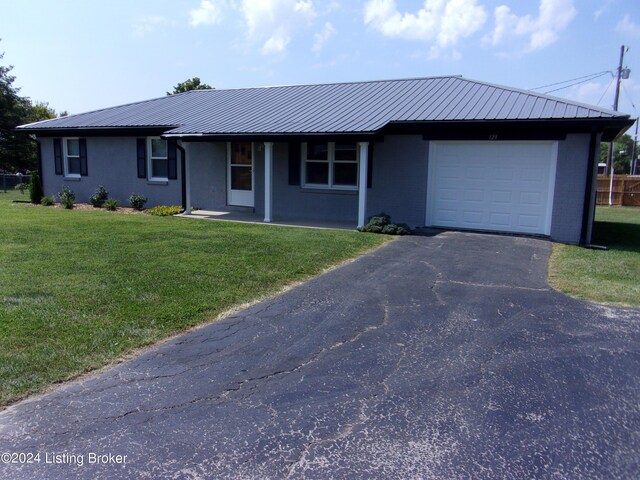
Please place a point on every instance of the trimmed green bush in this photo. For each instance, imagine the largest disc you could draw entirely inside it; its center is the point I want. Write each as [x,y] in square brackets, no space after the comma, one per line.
[67,198]
[47,201]
[99,197]
[111,204]
[35,188]
[381,223]
[164,210]
[137,201]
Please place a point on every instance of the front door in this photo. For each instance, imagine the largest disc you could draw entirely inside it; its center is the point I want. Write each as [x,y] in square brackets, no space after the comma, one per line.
[240,174]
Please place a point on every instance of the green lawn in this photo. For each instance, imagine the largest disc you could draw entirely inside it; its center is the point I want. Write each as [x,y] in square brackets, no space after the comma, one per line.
[611,276]
[80,289]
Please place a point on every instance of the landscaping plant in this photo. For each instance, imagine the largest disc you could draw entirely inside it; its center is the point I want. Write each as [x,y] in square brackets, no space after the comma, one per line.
[67,198]
[137,201]
[47,201]
[381,223]
[111,204]
[164,210]
[99,197]
[35,188]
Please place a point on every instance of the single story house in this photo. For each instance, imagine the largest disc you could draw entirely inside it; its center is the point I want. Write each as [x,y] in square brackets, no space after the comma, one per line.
[441,151]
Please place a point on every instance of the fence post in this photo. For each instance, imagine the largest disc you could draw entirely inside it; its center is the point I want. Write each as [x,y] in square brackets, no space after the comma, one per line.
[611,188]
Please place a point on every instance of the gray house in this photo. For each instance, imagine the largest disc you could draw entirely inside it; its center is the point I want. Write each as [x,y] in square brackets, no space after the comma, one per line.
[442,151]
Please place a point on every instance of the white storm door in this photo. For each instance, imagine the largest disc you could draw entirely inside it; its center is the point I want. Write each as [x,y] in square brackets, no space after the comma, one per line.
[497,186]
[240,174]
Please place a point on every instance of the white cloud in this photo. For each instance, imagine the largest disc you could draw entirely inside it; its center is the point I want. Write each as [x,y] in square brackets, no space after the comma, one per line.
[541,31]
[274,22]
[604,8]
[441,22]
[149,24]
[627,27]
[323,36]
[208,13]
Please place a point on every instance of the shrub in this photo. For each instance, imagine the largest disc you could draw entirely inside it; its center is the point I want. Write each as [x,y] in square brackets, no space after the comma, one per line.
[22,187]
[67,197]
[381,223]
[164,210]
[47,201]
[35,188]
[137,201]
[111,204]
[99,197]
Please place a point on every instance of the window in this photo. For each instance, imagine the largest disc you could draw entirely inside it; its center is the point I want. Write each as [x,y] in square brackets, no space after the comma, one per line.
[330,165]
[158,159]
[72,157]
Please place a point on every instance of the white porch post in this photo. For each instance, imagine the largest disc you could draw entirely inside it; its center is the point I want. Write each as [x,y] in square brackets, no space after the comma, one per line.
[362,182]
[187,175]
[268,179]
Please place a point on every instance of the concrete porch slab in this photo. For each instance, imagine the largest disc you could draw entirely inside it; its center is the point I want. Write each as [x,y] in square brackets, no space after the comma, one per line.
[250,217]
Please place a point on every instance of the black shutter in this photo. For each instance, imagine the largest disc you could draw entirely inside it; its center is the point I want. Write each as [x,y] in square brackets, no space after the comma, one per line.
[82,144]
[294,163]
[370,166]
[142,157]
[57,155]
[172,159]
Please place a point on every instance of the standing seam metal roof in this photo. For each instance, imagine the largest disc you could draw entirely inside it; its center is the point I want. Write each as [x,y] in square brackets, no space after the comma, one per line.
[357,107]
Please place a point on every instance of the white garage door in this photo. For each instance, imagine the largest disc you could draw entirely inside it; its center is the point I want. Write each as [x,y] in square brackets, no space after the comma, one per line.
[498,186]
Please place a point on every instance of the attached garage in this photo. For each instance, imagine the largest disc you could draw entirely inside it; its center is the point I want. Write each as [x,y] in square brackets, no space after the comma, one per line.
[495,186]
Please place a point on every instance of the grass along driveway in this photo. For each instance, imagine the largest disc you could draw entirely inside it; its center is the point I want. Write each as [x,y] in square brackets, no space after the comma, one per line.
[611,276]
[79,289]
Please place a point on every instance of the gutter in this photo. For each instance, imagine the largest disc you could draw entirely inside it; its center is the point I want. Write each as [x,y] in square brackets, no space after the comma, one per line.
[588,209]
[183,176]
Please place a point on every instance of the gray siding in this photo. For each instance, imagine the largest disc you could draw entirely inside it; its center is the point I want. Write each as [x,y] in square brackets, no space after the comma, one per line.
[111,161]
[293,201]
[399,182]
[208,168]
[571,178]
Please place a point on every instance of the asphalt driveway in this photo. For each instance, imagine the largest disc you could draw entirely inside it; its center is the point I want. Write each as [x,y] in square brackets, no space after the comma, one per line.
[433,357]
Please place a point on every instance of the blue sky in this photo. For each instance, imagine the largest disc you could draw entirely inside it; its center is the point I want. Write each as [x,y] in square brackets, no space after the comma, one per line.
[84,55]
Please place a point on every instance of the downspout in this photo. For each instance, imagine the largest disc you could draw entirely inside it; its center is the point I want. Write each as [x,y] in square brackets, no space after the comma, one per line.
[588,209]
[183,177]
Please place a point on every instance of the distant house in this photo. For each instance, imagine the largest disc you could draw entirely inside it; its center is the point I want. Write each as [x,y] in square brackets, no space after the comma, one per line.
[442,151]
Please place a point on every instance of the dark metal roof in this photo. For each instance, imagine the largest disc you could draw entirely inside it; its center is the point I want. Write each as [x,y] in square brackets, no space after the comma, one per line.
[360,107]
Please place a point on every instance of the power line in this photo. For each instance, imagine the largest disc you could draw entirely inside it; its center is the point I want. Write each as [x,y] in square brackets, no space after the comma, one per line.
[629,97]
[594,75]
[578,83]
[606,90]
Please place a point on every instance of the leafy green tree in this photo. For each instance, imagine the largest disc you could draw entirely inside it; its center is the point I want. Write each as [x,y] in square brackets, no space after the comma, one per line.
[190,84]
[17,151]
[622,151]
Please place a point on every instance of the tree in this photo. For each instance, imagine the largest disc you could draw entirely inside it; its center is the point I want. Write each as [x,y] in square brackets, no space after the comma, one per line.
[622,150]
[191,84]
[17,151]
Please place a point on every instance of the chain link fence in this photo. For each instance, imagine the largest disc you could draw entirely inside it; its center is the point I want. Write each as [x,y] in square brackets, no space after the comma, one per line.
[12,181]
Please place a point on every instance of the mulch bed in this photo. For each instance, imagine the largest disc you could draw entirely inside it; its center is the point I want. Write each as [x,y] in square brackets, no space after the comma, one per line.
[87,206]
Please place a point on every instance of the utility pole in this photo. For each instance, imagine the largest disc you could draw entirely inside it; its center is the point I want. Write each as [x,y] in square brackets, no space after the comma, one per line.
[634,161]
[609,168]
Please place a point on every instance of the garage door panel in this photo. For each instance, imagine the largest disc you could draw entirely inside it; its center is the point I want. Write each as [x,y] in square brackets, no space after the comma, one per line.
[503,186]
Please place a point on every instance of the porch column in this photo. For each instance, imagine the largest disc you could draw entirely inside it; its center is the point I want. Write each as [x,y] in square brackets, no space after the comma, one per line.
[187,176]
[268,179]
[362,182]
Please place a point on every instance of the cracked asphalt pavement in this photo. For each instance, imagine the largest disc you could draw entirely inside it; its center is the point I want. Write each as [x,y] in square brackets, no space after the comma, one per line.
[433,357]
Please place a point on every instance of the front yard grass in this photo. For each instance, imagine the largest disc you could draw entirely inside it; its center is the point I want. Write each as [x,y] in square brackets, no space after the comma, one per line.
[611,276]
[80,289]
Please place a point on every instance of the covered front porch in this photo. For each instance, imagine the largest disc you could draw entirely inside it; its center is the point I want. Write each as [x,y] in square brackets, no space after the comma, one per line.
[275,197]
